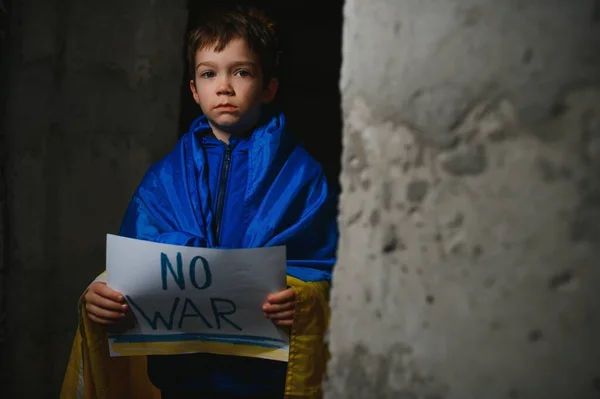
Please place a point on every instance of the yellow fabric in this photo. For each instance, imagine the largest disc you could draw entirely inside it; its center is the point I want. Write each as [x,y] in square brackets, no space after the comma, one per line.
[93,374]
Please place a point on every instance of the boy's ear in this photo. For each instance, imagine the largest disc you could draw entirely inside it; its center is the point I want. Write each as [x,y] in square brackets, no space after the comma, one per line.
[270,91]
[194,91]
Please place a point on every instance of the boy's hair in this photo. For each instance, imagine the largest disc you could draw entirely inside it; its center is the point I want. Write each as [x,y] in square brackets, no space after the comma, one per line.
[221,26]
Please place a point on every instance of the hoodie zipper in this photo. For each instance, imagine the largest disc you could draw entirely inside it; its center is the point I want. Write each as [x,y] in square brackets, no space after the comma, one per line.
[222,187]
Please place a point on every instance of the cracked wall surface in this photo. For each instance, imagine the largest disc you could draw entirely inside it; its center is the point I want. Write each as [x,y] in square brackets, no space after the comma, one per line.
[470,240]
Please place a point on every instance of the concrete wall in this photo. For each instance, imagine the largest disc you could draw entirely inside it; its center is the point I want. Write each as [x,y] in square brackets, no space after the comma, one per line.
[93,100]
[469,255]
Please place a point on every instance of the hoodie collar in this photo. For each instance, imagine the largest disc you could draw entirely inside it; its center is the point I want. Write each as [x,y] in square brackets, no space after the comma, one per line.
[268,130]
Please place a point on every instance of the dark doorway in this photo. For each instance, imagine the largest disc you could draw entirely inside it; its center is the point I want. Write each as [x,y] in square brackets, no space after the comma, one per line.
[310,34]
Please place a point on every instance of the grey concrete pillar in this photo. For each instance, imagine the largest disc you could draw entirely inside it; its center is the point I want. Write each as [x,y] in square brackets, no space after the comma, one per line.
[469,260]
[93,100]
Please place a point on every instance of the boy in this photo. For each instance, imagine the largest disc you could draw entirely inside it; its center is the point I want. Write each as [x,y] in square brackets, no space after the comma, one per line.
[235,180]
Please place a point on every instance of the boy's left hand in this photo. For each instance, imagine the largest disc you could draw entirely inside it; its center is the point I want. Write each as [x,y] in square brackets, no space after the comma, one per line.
[280,307]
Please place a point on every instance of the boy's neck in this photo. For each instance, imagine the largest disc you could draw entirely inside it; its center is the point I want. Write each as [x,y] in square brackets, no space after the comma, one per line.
[221,135]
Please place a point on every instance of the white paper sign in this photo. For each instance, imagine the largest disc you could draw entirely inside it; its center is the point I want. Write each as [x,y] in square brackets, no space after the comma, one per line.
[187,299]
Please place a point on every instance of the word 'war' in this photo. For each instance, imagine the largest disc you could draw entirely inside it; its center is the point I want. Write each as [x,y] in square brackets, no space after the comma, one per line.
[220,311]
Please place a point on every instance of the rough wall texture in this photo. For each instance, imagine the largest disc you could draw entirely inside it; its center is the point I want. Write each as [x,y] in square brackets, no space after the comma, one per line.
[4,18]
[468,261]
[93,100]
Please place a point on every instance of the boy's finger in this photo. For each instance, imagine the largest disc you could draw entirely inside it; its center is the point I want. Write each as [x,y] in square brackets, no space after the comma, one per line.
[104,303]
[103,313]
[289,314]
[99,320]
[282,296]
[283,323]
[108,293]
[268,308]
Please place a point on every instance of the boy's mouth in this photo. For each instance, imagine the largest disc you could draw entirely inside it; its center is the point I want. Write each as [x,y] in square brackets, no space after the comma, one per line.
[226,107]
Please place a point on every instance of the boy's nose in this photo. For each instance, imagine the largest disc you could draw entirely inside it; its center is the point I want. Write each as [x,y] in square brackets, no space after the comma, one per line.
[224,88]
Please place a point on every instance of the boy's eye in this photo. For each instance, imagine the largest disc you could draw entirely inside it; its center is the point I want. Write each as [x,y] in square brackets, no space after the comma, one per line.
[208,74]
[242,73]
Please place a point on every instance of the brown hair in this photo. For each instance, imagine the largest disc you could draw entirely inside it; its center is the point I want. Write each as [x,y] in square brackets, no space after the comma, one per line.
[221,26]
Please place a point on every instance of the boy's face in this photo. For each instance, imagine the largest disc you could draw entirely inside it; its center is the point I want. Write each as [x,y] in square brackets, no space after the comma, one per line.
[229,86]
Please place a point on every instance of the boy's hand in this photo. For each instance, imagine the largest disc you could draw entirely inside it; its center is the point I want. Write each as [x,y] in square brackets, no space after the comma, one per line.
[104,305]
[280,307]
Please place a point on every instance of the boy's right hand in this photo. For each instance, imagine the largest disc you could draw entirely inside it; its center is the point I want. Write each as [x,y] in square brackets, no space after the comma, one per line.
[104,305]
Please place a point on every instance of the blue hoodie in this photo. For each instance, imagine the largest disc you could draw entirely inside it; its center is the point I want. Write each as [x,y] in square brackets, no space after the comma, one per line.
[263,190]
